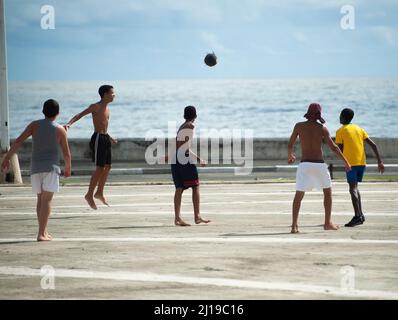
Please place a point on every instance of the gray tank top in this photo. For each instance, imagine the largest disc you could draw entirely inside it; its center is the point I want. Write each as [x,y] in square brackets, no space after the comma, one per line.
[45,153]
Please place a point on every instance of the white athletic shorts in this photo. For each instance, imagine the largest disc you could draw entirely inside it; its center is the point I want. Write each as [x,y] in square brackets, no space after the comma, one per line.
[46,181]
[312,175]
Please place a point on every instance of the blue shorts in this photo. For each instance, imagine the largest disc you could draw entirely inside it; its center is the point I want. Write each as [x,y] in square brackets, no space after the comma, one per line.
[356,174]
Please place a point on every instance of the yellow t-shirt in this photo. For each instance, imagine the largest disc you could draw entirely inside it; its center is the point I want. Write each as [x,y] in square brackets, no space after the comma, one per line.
[352,137]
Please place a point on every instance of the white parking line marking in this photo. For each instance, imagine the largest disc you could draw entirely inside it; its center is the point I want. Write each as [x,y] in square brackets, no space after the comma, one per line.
[230,239]
[202,281]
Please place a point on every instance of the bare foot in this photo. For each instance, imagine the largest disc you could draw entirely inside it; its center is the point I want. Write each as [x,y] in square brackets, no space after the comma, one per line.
[43,238]
[101,198]
[90,202]
[330,226]
[295,229]
[47,234]
[181,223]
[201,220]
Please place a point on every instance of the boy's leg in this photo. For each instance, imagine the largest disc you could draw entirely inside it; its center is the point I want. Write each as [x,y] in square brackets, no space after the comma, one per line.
[353,177]
[101,184]
[295,210]
[45,211]
[360,204]
[177,208]
[355,198]
[327,203]
[196,206]
[38,207]
[93,183]
[356,203]
[360,177]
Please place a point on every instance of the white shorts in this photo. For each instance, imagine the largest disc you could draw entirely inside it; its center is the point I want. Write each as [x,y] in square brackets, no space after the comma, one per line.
[46,181]
[312,175]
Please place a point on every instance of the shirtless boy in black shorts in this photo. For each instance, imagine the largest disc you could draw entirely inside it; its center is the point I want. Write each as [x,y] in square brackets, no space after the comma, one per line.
[100,144]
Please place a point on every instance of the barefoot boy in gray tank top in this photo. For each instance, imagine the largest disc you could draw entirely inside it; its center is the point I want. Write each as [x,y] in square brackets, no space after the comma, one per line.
[47,135]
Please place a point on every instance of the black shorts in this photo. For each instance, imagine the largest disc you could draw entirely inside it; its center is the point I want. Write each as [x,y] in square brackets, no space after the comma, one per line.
[100,147]
[185,175]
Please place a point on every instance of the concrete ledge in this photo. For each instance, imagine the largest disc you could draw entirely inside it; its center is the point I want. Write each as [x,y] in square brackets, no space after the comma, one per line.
[263,148]
[389,168]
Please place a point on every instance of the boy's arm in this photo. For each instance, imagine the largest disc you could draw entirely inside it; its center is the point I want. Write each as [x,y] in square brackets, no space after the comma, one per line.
[187,133]
[290,152]
[80,115]
[335,148]
[63,141]
[373,145]
[191,127]
[201,162]
[5,165]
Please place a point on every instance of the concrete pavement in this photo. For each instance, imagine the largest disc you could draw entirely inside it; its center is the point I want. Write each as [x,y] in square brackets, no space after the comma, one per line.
[132,250]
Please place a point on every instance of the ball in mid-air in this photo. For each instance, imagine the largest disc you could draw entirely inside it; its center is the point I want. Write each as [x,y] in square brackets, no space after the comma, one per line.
[211,59]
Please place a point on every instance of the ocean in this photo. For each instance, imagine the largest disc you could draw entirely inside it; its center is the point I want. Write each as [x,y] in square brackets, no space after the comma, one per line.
[269,107]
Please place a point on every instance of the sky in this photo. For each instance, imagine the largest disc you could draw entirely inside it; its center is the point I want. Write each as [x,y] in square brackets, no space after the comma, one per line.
[168,39]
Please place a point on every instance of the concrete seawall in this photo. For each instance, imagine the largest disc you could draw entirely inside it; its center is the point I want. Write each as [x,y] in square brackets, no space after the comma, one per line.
[133,149]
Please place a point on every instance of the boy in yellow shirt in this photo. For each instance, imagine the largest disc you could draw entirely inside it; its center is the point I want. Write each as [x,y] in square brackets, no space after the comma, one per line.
[350,138]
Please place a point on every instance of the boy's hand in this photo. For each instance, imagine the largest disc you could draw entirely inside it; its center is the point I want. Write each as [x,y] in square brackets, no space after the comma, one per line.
[5,165]
[291,159]
[68,172]
[203,163]
[66,127]
[347,167]
[114,141]
[380,166]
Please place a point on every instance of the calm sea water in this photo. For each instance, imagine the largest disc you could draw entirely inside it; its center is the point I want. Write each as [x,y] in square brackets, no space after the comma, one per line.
[269,107]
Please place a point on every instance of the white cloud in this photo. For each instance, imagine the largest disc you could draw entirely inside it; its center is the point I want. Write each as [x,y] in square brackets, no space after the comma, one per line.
[273,52]
[388,35]
[300,37]
[214,43]
[90,11]
[207,10]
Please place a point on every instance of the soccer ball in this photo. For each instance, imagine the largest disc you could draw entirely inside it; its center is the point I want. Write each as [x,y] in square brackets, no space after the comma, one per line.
[211,59]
